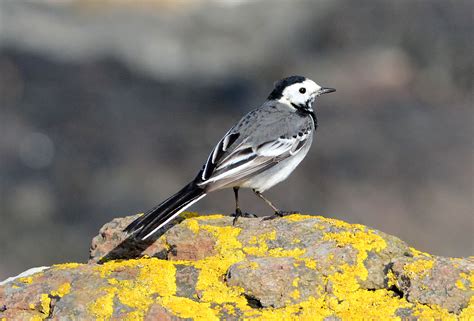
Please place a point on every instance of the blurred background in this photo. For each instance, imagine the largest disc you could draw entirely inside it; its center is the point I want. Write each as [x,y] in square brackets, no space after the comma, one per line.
[108,107]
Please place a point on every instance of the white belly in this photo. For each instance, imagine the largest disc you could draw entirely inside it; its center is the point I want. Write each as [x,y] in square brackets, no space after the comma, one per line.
[277,173]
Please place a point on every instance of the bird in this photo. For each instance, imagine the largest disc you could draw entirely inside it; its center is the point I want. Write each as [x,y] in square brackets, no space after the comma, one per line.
[258,152]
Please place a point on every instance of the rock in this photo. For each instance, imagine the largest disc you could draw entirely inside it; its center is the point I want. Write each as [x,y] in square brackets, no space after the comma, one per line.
[276,282]
[189,243]
[435,280]
[157,312]
[112,243]
[186,281]
[299,267]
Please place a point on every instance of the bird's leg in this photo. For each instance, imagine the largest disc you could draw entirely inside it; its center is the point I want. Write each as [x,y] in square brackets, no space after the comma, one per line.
[238,212]
[266,201]
[278,213]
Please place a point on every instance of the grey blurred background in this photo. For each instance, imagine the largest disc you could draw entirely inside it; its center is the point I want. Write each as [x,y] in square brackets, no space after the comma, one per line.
[106,108]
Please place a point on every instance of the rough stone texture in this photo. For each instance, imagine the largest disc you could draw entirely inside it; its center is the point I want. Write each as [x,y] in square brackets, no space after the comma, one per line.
[186,280]
[185,244]
[435,280]
[276,282]
[157,312]
[112,243]
[294,268]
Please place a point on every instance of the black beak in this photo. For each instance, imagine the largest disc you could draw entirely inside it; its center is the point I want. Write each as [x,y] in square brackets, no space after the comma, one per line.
[325,90]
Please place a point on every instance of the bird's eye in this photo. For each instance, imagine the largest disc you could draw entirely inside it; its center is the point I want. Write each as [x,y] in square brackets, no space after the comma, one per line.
[302,90]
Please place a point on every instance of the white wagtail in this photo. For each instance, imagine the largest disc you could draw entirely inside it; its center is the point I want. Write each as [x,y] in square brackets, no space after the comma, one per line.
[260,151]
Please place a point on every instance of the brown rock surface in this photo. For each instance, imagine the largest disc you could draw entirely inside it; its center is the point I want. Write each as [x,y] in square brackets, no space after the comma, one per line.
[435,280]
[276,282]
[112,243]
[293,268]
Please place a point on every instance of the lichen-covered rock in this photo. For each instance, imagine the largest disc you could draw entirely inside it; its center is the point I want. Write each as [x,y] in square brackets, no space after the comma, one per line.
[435,280]
[276,281]
[295,268]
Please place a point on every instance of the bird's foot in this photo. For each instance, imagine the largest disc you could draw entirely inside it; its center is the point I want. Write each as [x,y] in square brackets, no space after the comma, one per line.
[238,213]
[279,214]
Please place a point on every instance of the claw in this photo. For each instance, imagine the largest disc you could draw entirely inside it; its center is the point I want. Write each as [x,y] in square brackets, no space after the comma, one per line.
[238,213]
[278,214]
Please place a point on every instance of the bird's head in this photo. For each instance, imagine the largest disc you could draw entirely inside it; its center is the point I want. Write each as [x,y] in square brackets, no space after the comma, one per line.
[298,92]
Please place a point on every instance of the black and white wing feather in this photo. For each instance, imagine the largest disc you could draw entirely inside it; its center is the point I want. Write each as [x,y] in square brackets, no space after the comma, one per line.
[226,168]
[218,151]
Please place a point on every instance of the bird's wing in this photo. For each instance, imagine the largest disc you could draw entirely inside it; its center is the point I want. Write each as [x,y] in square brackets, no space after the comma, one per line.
[231,141]
[221,148]
[246,159]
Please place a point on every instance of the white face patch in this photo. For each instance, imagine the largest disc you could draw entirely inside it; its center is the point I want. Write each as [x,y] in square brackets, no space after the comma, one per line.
[301,94]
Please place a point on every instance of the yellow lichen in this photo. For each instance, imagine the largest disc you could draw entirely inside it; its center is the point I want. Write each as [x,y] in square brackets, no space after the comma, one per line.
[229,308]
[26,280]
[418,268]
[63,289]
[460,285]
[433,312]
[279,252]
[295,282]
[212,269]
[155,277]
[133,316]
[186,308]
[66,266]
[153,281]
[339,224]
[416,253]
[188,215]
[261,247]
[103,307]
[465,278]
[392,279]
[295,294]
[468,312]
[309,263]
[45,301]
[368,305]
[193,225]
[208,217]
[211,282]
[112,281]
[298,217]
[470,278]
[260,242]
[361,240]
[254,250]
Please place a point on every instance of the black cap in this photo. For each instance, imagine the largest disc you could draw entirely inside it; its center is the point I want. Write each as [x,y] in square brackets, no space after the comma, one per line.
[280,85]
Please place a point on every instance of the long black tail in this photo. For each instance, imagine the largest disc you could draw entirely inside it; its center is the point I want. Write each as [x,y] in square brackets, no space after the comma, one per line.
[158,216]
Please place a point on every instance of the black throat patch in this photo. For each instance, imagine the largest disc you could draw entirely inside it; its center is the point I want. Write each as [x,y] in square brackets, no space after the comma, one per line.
[305,112]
